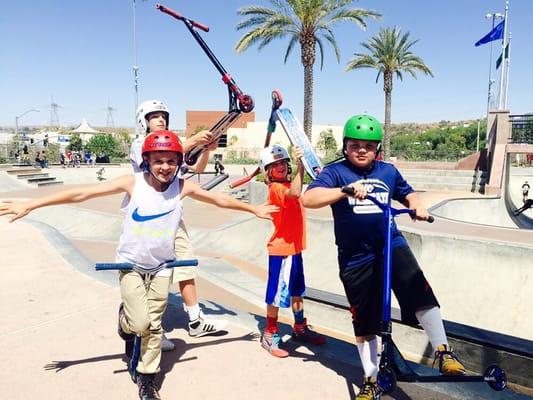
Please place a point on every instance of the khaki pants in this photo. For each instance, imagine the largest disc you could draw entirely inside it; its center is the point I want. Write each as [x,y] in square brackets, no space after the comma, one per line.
[183,251]
[144,307]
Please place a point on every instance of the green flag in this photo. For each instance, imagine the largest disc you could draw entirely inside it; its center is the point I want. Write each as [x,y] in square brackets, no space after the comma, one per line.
[499,60]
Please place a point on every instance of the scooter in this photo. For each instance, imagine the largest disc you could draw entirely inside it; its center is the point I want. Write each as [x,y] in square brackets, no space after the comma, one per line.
[238,101]
[393,367]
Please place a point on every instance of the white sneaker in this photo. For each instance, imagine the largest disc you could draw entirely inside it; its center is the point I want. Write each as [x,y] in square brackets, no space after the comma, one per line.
[166,344]
[203,325]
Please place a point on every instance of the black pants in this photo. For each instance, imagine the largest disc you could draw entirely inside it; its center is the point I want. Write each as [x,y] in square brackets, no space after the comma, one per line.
[364,290]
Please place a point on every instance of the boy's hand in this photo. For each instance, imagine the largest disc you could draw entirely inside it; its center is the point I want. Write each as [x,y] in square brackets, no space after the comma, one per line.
[18,209]
[421,214]
[264,211]
[297,154]
[358,189]
[213,146]
[200,138]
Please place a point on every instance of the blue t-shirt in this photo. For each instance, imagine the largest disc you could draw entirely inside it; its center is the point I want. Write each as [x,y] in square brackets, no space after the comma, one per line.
[359,224]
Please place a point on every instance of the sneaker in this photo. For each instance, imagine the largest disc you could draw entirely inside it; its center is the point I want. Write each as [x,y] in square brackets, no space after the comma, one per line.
[147,387]
[370,390]
[166,344]
[270,342]
[302,333]
[204,325]
[449,364]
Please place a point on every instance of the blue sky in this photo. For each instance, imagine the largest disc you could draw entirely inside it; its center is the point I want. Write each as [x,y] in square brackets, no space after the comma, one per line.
[81,53]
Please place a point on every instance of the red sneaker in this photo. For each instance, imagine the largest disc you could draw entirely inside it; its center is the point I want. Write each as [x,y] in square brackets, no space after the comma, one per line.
[302,333]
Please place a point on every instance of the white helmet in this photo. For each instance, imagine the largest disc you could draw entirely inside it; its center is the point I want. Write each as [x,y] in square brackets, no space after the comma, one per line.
[148,107]
[272,154]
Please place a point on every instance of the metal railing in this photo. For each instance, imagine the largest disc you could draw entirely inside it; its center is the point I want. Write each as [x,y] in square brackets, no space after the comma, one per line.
[521,128]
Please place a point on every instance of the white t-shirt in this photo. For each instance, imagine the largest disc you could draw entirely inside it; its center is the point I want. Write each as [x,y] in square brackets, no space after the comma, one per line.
[151,220]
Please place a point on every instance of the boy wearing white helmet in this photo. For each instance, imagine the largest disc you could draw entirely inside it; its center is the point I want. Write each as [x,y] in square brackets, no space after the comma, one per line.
[286,283]
[153,115]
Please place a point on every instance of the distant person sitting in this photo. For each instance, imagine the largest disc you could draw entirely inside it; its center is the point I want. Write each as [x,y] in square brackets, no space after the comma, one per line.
[527,205]
[44,160]
[87,157]
[525,191]
[102,158]
[38,161]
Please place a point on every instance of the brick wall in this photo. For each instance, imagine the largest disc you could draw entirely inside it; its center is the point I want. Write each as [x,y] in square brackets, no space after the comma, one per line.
[194,119]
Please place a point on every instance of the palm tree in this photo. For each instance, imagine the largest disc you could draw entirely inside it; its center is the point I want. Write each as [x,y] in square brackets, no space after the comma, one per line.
[390,54]
[308,22]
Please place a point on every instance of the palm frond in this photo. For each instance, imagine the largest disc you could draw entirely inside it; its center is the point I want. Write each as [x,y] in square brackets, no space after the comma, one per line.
[320,46]
[293,41]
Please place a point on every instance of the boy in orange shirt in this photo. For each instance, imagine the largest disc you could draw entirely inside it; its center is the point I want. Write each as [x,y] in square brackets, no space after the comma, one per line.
[286,283]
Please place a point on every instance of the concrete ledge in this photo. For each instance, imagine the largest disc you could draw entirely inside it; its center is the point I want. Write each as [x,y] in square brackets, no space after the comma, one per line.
[478,348]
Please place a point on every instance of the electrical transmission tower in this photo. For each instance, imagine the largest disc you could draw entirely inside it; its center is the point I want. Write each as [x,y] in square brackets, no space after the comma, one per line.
[54,116]
[110,110]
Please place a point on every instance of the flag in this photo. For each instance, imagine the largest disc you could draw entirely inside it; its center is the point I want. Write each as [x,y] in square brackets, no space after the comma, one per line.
[500,58]
[495,34]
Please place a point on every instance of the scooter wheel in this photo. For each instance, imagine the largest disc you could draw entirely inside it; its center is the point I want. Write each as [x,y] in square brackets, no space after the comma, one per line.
[386,379]
[246,103]
[495,377]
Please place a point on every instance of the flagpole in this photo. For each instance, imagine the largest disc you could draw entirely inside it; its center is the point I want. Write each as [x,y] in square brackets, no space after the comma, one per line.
[508,69]
[504,43]
[493,16]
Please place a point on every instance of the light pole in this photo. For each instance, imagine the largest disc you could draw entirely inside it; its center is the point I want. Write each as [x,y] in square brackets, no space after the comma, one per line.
[492,16]
[20,116]
[135,70]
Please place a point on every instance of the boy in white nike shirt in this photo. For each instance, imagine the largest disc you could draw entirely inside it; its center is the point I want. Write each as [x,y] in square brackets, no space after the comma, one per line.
[153,210]
[153,116]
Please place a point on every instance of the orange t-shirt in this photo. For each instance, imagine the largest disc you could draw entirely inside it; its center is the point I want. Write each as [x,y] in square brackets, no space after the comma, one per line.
[289,223]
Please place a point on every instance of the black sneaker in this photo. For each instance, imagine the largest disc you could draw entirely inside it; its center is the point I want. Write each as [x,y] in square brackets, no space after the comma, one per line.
[147,387]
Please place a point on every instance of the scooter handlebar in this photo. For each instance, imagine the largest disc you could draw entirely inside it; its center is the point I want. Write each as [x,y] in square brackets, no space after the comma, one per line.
[350,192]
[177,15]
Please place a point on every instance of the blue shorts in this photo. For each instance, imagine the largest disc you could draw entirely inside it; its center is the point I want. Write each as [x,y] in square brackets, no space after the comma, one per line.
[285,279]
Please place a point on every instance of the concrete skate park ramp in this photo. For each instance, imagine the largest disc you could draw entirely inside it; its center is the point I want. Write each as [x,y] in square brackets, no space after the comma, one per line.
[493,276]
[493,211]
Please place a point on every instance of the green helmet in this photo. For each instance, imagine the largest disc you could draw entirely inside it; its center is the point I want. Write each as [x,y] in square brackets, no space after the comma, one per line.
[363,127]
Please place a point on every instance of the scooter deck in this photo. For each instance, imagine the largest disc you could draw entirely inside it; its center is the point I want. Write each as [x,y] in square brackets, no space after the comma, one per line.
[297,137]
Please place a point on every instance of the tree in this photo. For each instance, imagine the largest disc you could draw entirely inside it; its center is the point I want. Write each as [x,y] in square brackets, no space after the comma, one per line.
[328,144]
[75,143]
[123,139]
[104,143]
[390,54]
[308,22]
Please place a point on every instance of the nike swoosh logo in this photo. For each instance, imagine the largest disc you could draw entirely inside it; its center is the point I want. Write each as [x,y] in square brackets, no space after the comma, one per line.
[143,218]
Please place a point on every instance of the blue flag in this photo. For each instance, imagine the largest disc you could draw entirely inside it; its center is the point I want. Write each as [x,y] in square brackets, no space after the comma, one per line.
[495,34]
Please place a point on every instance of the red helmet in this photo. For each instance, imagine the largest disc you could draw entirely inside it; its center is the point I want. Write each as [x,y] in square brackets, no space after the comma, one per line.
[162,141]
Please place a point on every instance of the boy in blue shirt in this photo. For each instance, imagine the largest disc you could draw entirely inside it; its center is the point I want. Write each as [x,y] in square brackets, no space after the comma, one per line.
[360,240]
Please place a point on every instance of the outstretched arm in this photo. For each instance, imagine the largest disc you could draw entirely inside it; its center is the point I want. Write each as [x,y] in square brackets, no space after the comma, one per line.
[22,208]
[224,201]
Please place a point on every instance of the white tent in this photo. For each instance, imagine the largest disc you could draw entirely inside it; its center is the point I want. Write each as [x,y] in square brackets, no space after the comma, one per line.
[85,131]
